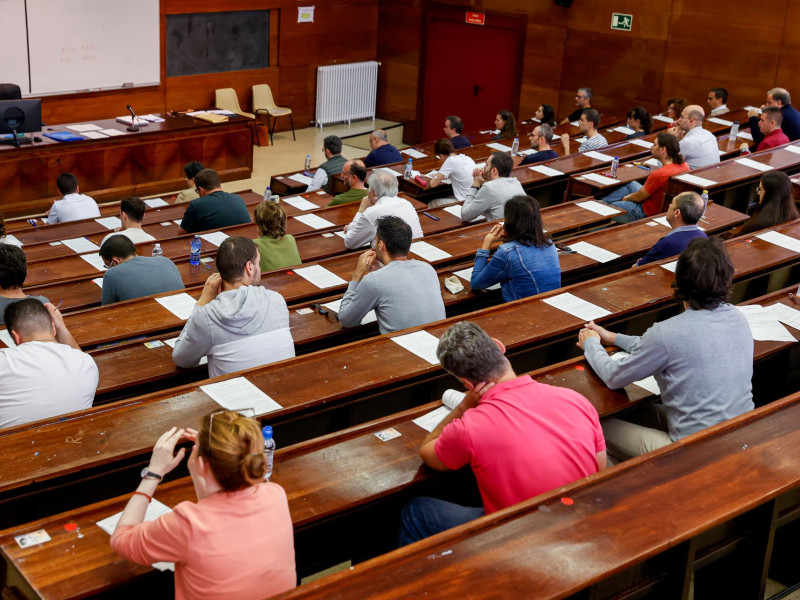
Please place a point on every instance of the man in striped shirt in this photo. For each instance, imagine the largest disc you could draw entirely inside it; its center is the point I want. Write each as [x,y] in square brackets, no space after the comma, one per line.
[588,123]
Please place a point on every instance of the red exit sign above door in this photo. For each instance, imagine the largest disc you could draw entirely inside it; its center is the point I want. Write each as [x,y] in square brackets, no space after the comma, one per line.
[474,18]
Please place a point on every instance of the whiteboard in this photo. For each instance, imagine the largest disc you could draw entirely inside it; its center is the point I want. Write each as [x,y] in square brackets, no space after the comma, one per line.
[13,44]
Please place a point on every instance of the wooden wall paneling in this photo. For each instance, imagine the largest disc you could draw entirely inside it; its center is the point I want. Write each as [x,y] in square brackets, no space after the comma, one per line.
[198,91]
[789,59]
[542,65]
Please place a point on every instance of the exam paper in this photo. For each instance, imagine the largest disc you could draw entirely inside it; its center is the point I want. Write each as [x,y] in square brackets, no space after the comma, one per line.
[110,222]
[428,251]
[421,343]
[314,221]
[498,146]
[598,156]
[601,179]
[84,127]
[792,149]
[577,307]
[663,221]
[466,275]
[702,181]
[648,383]
[455,210]
[98,281]
[80,245]
[238,394]
[670,266]
[300,178]
[641,143]
[753,164]
[746,135]
[154,510]
[388,170]
[785,314]
[593,252]
[413,153]
[112,132]
[430,420]
[94,260]
[625,130]
[764,326]
[575,123]
[719,121]
[11,240]
[779,239]
[300,203]
[544,170]
[155,202]
[216,237]
[95,135]
[598,207]
[653,162]
[180,305]
[662,118]
[5,337]
[320,276]
[370,317]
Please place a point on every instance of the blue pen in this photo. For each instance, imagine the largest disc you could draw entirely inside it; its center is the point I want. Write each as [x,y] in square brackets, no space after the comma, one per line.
[59,305]
[643,167]
[431,216]
[205,265]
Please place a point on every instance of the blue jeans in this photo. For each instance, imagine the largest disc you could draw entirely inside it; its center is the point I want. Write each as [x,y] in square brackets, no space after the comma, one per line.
[424,517]
[634,209]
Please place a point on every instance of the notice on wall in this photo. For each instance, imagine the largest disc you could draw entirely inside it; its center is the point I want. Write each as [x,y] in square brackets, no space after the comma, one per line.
[305,14]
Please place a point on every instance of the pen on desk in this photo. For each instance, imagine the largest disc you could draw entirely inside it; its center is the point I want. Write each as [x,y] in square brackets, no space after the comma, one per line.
[205,265]
[431,216]
[646,168]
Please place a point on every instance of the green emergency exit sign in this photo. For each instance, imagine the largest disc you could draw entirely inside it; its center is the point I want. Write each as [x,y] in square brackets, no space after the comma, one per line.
[621,22]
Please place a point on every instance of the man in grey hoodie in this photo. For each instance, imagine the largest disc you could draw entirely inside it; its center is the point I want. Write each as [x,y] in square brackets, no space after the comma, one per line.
[236,323]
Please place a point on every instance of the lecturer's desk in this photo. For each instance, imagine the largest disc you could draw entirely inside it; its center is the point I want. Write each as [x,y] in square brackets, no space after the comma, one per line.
[141,163]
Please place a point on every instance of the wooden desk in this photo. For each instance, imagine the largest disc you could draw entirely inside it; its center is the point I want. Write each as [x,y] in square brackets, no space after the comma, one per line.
[137,163]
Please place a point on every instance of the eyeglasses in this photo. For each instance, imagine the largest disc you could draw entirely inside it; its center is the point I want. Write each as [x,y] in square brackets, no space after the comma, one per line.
[108,265]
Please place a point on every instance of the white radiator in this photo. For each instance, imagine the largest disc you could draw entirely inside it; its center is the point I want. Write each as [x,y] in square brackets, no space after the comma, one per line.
[346,92]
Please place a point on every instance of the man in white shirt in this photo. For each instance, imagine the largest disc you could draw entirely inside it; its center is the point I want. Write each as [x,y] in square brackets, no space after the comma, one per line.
[698,146]
[456,167]
[491,188]
[717,99]
[588,124]
[131,214]
[45,374]
[334,163]
[381,200]
[74,205]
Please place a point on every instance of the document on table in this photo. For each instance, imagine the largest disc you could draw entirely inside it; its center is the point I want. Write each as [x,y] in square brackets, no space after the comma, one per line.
[98,281]
[421,343]
[792,149]
[300,178]
[216,237]
[670,266]
[429,421]
[746,135]
[546,171]
[11,240]
[702,181]
[370,317]
[753,164]
[498,146]
[719,121]
[112,132]
[526,152]
[466,275]
[95,135]
[94,260]
[577,307]
[641,143]
[663,221]
[428,251]
[575,123]
[388,170]
[171,343]
[110,222]
[320,276]
[180,305]
[653,162]
[625,130]
[238,394]
[455,210]
[648,383]
[601,179]
[779,239]
[764,325]
[84,127]
[598,156]
[785,314]
[413,153]
[300,203]
[594,252]
[178,222]
[314,221]
[154,510]
[155,202]
[5,337]
[662,118]
[598,207]
[80,245]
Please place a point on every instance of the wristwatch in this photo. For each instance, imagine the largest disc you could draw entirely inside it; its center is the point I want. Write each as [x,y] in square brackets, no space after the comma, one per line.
[148,474]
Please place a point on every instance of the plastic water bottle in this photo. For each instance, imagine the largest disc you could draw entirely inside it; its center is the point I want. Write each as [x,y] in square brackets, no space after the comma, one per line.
[515,146]
[409,169]
[194,253]
[614,166]
[734,130]
[704,196]
[269,449]
[157,251]
[308,163]
[268,194]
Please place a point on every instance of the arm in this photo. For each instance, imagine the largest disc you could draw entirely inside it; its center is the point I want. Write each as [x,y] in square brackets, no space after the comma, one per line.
[360,230]
[476,202]
[565,141]
[486,273]
[189,219]
[436,180]
[320,179]
[647,356]
[193,343]
[52,214]
[63,336]
[360,298]
[752,118]
[107,296]
[638,196]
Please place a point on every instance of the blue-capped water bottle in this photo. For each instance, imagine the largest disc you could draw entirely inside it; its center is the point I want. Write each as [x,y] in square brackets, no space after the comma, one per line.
[269,449]
[194,253]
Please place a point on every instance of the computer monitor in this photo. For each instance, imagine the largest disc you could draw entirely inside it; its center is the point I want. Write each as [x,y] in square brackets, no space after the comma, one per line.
[19,116]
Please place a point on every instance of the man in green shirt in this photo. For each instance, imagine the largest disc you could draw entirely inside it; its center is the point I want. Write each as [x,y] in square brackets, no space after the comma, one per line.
[354,174]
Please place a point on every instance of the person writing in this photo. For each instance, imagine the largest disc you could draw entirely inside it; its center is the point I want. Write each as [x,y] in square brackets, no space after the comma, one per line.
[277,248]
[237,540]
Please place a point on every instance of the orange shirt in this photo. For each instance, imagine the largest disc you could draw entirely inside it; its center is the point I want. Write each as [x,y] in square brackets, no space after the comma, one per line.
[656,185]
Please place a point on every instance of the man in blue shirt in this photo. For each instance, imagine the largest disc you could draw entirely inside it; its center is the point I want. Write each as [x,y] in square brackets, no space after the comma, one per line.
[383,153]
[540,141]
[683,214]
[453,126]
[791,116]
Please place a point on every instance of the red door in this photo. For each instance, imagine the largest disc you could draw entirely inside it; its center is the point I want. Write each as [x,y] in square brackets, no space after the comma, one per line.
[472,71]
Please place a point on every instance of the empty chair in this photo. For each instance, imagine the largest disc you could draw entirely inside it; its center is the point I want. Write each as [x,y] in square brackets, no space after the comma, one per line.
[264,103]
[10,91]
[228,100]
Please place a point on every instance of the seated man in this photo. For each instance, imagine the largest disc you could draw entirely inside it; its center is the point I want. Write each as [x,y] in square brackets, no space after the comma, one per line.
[780,98]
[46,374]
[214,208]
[520,437]
[381,200]
[702,359]
[131,213]
[717,99]
[769,124]
[354,175]
[74,205]
[588,124]
[491,189]
[453,126]
[190,172]
[698,145]
[583,100]
[383,153]
[334,162]
[458,168]
[683,214]
[540,141]
[132,276]
[236,323]
[13,270]
[403,292]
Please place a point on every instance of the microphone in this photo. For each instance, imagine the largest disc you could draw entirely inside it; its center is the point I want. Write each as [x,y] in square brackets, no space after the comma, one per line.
[133,127]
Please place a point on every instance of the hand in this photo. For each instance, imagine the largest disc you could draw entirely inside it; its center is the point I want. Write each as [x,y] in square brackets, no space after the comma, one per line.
[211,289]
[164,458]
[364,266]
[496,233]
[474,394]
[585,334]
[673,130]
[606,337]
[753,112]
[744,147]
[477,178]
[565,139]
[56,317]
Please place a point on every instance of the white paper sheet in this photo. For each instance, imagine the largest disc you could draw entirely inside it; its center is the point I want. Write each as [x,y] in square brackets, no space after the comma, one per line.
[110,222]
[156,202]
[98,281]
[370,317]
[428,251]
[5,337]
[641,143]
[238,394]
[601,179]
[466,275]
[598,207]
[792,149]
[388,170]
[413,153]
[598,156]
[80,245]
[780,239]
[575,123]
[694,179]
[526,152]
[11,240]
[300,203]
[746,135]
[94,260]
[300,178]
[648,383]
[670,266]
[320,276]
[764,326]
[84,127]
[753,164]
[544,170]
[579,140]
[719,121]
[112,132]
[430,420]
[577,307]
[785,314]
[216,237]
[653,162]
[594,252]
[314,221]
[154,510]
[498,146]
[95,135]
[625,130]
[180,305]
[455,210]
[421,343]
[662,118]
[663,221]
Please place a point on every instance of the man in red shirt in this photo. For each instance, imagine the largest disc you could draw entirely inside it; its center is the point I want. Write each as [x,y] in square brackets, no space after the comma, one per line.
[521,438]
[769,124]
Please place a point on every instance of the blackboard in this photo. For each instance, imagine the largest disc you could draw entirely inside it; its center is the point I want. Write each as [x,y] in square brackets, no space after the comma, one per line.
[216,42]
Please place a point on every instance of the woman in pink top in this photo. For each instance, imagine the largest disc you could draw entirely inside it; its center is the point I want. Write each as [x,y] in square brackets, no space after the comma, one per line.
[237,540]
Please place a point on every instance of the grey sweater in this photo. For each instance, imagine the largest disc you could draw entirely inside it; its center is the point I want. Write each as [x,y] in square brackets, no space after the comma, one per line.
[404,293]
[140,276]
[701,359]
[491,199]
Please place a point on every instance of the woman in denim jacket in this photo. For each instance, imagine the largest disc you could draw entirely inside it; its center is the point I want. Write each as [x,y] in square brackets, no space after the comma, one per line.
[527,262]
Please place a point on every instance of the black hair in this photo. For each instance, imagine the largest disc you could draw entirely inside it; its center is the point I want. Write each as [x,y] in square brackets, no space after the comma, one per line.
[523,222]
[703,274]
[395,233]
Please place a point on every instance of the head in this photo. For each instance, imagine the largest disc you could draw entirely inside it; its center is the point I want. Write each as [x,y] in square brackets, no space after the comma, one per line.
[778,97]
[685,209]
[238,261]
[499,164]
[332,145]
[775,202]
[131,212]
[354,173]
[675,106]
[13,267]
[583,97]
[230,449]
[666,148]
[717,97]
[392,238]
[28,320]
[467,351]
[589,121]
[506,123]
[67,183]
[453,126]
[771,118]
[190,171]
[207,181]
[691,117]
[546,114]
[270,219]
[639,119]
[443,147]
[703,274]
[381,185]
[774,186]
[540,136]
[523,222]
[378,138]
[117,249]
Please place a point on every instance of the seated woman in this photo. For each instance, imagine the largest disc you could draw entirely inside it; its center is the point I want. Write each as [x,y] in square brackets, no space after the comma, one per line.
[526,263]
[507,124]
[546,114]
[237,540]
[675,107]
[775,204]
[277,248]
[640,121]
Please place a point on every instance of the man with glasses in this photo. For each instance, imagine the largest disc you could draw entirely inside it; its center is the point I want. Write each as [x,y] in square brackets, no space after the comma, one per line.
[354,174]
[540,141]
[334,163]
[698,145]
[583,100]
[790,125]
[717,98]
[214,209]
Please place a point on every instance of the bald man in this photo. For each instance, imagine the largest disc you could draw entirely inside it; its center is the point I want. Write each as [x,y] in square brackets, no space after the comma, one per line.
[698,145]
[383,153]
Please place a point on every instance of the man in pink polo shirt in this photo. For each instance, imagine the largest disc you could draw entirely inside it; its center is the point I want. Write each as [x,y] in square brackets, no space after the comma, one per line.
[521,438]
[769,124]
